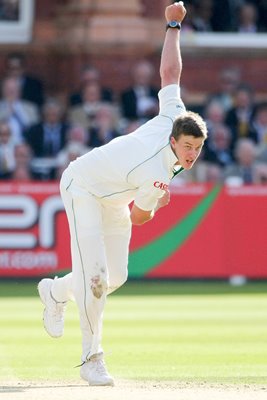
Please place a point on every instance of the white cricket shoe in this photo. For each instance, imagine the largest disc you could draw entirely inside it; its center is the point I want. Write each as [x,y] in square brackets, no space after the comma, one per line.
[53,316]
[95,373]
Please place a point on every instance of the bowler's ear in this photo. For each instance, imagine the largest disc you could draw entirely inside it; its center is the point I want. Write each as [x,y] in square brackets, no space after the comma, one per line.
[172,140]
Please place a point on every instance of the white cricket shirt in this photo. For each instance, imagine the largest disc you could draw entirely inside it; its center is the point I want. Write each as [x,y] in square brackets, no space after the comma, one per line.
[137,166]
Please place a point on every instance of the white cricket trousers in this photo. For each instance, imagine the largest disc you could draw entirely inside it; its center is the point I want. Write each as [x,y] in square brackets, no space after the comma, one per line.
[100,236]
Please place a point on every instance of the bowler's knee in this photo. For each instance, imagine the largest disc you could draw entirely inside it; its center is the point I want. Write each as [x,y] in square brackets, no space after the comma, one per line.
[117,281]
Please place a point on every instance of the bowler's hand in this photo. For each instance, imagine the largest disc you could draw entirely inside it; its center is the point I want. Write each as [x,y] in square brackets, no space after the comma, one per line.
[164,200]
[175,12]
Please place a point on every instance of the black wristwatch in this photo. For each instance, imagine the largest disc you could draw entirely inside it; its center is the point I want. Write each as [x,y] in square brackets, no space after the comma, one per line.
[173,25]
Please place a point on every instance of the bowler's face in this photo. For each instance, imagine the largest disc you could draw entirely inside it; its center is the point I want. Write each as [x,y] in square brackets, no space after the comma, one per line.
[187,149]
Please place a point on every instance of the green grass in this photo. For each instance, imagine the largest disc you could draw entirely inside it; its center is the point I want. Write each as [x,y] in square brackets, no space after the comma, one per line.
[188,332]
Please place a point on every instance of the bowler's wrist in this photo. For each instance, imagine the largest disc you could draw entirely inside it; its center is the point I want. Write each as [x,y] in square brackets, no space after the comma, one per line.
[173,24]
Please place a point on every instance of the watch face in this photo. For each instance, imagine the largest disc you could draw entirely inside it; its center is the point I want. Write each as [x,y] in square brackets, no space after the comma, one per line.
[173,24]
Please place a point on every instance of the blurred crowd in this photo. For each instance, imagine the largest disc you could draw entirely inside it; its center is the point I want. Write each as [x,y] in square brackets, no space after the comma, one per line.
[226,16]
[39,136]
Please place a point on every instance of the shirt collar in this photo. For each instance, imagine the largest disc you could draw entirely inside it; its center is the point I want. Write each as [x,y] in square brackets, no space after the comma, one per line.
[170,160]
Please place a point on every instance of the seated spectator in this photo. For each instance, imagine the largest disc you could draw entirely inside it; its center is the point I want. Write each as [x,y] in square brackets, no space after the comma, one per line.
[31,88]
[213,174]
[260,124]
[261,174]
[23,157]
[84,113]
[243,171]
[47,138]
[240,117]
[90,74]
[247,18]
[140,101]
[77,134]
[214,114]
[20,114]
[229,79]
[76,146]
[218,151]
[7,157]
[260,127]
[105,127]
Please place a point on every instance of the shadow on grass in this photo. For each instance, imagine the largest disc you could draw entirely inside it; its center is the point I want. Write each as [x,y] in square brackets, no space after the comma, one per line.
[28,288]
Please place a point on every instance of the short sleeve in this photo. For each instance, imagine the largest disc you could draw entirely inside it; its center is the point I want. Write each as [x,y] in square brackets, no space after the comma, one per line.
[170,102]
[148,195]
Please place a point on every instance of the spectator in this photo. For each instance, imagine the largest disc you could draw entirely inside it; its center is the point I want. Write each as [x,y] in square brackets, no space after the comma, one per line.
[239,118]
[7,158]
[218,151]
[214,174]
[84,113]
[31,88]
[260,127]
[140,101]
[20,113]
[77,134]
[105,127]
[47,138]
[260,123]
[229,80]
[90,74]
[214,115]
[261,174]
[247,18]
[23,158]
[76,146]
[243,171]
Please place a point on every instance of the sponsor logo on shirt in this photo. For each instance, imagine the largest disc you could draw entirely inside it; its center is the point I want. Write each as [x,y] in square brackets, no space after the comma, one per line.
[160,185]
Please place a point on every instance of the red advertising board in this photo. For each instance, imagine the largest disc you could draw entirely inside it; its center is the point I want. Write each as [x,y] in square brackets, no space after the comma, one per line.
[34,237]
[217,233]
[205,232]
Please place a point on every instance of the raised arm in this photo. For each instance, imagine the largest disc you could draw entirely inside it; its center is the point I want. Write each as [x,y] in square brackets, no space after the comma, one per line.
[171,61]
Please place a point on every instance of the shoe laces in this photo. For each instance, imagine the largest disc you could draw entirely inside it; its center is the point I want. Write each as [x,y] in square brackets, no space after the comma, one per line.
[58,309]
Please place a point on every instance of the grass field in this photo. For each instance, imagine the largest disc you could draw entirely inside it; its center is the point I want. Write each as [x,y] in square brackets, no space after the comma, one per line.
[187,332]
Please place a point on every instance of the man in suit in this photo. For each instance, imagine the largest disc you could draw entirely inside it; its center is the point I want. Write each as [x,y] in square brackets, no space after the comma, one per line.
[32,89]
[140,101]
[47,138]
[89,75]
[244,170]
[240,117]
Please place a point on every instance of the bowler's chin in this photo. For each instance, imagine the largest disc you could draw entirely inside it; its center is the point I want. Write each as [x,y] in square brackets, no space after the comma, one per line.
[188,165]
